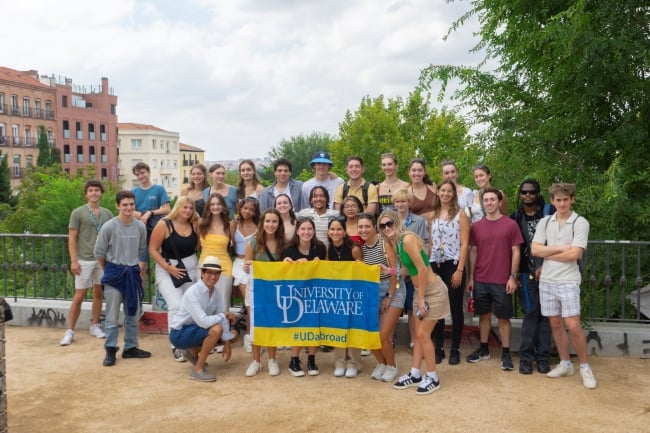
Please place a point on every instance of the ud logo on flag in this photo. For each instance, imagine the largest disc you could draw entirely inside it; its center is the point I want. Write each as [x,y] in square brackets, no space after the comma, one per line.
[314,303]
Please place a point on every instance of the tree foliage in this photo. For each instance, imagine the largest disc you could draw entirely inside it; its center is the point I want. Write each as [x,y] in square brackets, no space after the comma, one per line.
[569,100]
[44,153]
[47,196]
[409,128]
[5,180]
[299,150]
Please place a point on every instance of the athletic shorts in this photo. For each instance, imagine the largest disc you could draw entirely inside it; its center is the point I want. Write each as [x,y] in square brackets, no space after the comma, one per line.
[492,298]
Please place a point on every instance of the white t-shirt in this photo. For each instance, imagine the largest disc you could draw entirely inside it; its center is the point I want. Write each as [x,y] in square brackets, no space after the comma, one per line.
[329,184]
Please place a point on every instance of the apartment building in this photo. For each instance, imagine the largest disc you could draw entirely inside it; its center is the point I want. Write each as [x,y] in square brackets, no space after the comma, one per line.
[87,127]
[26,104]
[158,148]
[190,156]
[81,122]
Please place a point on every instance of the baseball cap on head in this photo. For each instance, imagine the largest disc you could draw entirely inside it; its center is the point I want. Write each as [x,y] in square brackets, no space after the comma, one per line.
[321,157]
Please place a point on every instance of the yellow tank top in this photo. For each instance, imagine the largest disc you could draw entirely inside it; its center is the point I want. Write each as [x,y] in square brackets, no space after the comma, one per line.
[217,245]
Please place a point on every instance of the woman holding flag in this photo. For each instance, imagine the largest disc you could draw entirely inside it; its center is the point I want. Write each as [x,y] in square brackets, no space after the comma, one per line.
[265,246]
[391,295]
[347,361]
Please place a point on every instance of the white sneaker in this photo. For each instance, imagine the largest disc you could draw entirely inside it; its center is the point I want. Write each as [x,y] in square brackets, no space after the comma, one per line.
[96,331]
[351,373]
[339,372]
[274,368]
[561,371]
[588,379]
[254,368]
[67,337]
[248,343]
[390,373]
[366,352]
[378,372]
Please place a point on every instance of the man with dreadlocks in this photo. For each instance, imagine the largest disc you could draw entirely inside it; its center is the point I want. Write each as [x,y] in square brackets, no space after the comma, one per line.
[535,329]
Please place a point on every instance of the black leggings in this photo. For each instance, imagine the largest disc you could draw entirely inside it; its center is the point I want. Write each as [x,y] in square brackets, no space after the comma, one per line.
[446,270]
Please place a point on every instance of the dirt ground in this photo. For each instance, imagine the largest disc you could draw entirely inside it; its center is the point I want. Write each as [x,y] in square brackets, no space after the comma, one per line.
[66,389]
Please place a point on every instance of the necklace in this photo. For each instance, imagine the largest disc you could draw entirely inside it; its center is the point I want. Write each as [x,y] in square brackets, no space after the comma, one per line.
[97,223]
[338,251]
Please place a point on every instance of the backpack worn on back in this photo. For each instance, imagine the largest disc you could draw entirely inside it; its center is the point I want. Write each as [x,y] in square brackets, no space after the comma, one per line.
[364,195]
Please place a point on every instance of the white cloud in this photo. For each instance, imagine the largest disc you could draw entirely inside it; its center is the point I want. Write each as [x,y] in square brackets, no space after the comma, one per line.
[235,77]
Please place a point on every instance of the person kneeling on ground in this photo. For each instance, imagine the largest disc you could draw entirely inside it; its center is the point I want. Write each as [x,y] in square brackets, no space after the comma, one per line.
[201,322]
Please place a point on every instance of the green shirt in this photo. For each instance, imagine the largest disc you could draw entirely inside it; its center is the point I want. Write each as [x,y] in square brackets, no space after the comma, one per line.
[83,220]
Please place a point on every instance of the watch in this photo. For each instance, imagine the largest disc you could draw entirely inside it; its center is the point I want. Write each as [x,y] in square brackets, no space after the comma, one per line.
[515,275]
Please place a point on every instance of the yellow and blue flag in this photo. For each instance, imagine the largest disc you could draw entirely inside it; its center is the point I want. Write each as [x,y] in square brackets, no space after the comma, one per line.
[315,303]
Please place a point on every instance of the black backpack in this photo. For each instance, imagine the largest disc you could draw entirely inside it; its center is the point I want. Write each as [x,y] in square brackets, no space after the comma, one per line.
[364,195]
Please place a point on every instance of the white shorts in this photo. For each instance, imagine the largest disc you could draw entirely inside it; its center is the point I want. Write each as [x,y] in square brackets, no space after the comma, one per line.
[238,274]
[559,299]
[91,274]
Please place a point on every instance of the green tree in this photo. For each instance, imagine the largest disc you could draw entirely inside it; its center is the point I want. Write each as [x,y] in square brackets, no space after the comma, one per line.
[408,128]
[5,181]
[300,149]
[44,153]
[47,196]
[569,100]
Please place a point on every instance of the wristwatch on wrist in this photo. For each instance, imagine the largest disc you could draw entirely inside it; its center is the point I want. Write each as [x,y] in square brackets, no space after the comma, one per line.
[515,275]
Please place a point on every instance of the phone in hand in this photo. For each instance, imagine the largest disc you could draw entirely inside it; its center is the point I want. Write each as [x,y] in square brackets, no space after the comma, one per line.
[419,314]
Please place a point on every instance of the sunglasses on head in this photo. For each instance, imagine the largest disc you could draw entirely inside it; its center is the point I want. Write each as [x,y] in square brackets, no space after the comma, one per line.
[389,224]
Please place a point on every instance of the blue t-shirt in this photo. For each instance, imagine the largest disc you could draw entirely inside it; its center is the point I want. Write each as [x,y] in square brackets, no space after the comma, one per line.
[149,199]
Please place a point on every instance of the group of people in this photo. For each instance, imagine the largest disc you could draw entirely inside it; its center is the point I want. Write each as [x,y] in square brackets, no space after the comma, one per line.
[433,243]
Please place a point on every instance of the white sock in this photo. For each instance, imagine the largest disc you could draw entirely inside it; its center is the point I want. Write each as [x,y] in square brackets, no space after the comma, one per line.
[584,366]
[433,375]
[566,363]
[415,372]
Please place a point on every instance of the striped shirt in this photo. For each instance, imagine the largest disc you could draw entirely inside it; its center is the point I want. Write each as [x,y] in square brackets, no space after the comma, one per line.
[375,255]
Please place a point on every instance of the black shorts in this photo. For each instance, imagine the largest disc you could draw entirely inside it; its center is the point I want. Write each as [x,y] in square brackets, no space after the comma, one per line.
[492,298]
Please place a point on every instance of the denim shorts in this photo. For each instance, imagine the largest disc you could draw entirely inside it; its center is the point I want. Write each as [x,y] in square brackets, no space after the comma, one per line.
[399,295]
[188,336]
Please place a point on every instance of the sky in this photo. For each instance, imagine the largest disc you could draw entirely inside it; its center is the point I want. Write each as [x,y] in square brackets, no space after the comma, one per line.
[235,77]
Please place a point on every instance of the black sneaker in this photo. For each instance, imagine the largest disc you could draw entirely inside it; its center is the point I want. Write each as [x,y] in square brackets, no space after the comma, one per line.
[407,381]
[440,355]
[543,366]
[506,362]
[294,368]
[134,352]
[454,357]
[109,359]
[427,386]
[312,368]
[525,367]
[478,355]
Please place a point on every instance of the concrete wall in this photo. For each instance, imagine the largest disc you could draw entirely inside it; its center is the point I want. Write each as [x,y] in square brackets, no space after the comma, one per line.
[604,339]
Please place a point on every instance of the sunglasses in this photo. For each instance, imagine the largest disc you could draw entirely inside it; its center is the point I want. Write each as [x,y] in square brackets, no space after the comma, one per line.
[528,191]
[389,224]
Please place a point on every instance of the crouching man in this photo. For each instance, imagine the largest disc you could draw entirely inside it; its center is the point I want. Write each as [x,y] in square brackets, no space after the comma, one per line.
[201,322]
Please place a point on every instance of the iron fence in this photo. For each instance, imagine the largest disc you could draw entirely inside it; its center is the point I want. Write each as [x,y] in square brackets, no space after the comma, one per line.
[36,266]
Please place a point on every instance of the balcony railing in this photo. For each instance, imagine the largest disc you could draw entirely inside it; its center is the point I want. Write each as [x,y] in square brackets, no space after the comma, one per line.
[28,141]
[36,266]
[34,113]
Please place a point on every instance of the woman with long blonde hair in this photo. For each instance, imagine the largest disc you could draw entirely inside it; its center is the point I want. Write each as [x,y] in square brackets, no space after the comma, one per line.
[174,240]
[430,301]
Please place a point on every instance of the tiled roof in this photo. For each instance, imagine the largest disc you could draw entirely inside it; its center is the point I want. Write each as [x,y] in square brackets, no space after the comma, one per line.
[138,126]
[187,147]
[20,77]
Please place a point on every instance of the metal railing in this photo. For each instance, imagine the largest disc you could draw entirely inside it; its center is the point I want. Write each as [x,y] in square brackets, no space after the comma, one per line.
[36,266]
